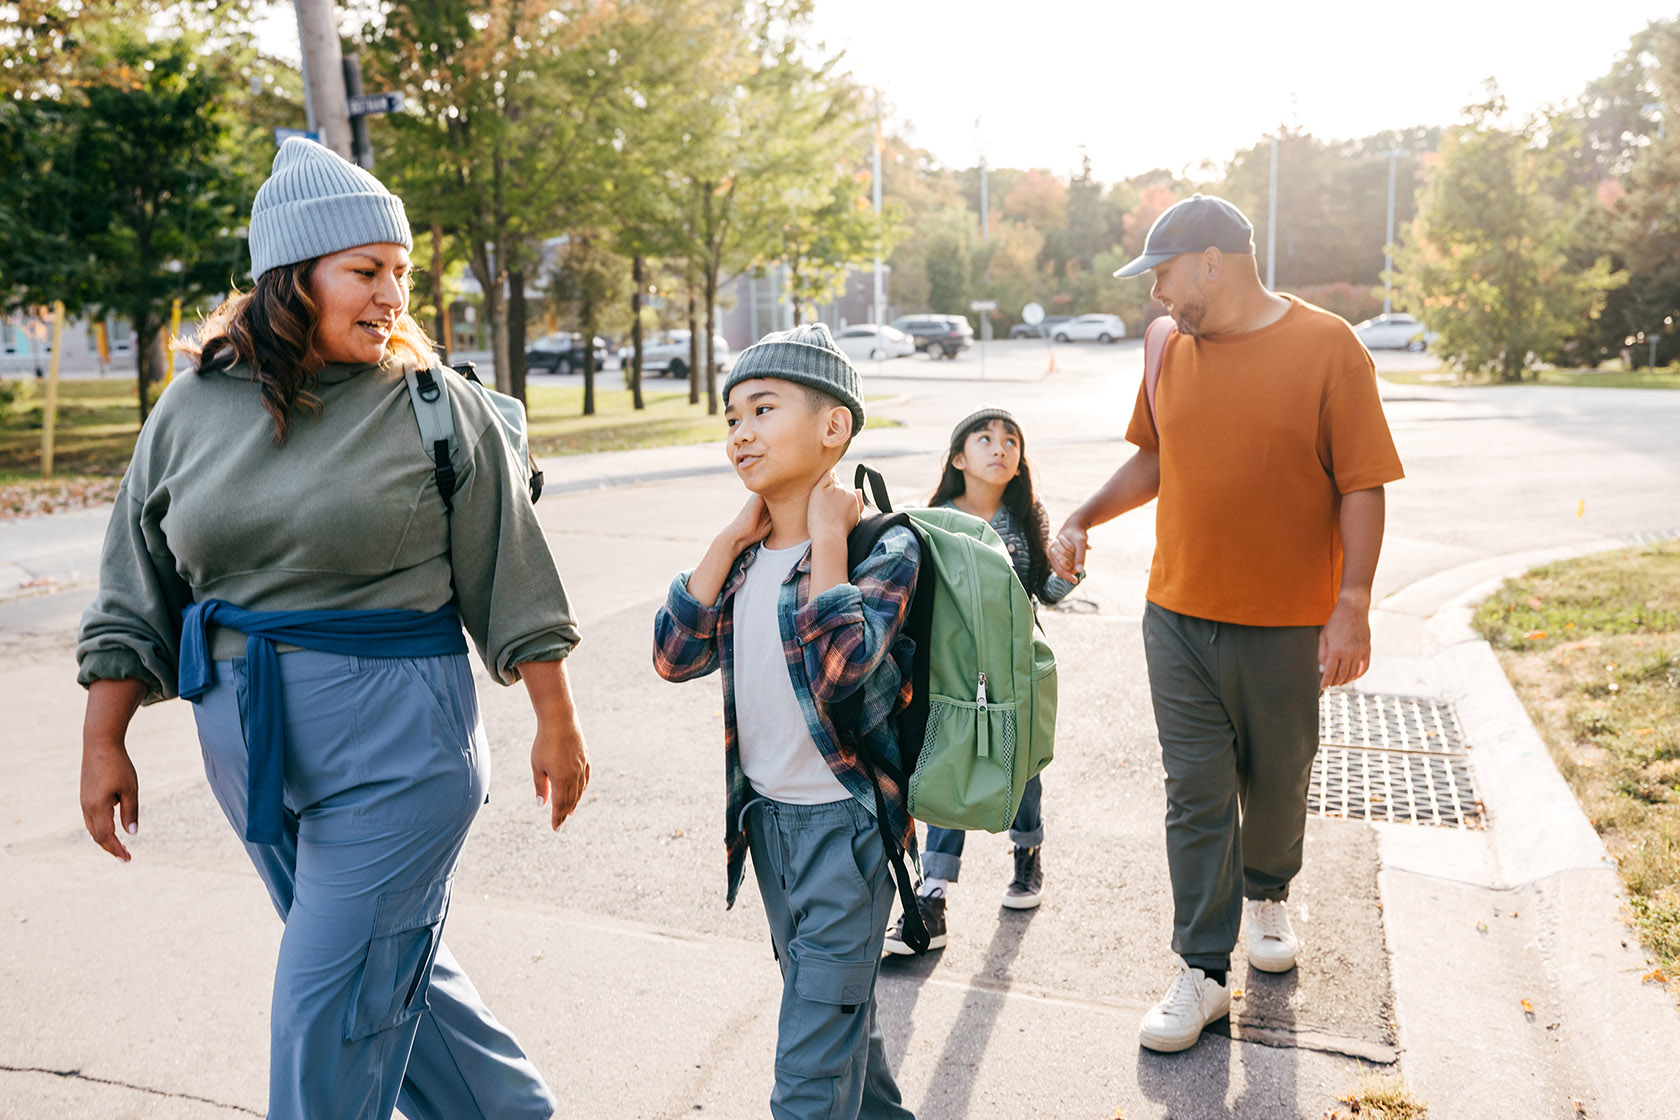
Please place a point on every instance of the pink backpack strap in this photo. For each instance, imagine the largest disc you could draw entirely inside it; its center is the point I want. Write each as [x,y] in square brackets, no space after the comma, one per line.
[1154,349]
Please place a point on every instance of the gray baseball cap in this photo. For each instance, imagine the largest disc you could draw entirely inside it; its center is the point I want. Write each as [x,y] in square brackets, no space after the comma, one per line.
[1197,223]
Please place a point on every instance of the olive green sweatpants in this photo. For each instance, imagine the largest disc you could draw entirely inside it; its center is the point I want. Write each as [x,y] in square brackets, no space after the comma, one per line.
[1236,708]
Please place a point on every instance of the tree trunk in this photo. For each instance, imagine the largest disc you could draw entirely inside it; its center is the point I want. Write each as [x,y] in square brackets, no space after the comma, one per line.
[151,357]
[588,355]
[496,308]
[693,346]
[636,334]
[793,289]
[711,332]
[516,333]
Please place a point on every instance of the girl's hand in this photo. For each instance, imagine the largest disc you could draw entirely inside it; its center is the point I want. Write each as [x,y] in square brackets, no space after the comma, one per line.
[834,510]
[750,526]
[108,779]
[1067,553]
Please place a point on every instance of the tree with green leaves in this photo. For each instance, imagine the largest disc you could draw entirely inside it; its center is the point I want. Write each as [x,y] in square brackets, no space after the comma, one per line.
[126,160]
[1487,261]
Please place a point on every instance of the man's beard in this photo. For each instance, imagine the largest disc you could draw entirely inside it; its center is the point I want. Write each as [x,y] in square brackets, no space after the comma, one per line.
[1189,314]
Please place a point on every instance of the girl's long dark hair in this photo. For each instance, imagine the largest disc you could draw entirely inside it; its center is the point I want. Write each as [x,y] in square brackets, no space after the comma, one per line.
[271,328]
[1018,497]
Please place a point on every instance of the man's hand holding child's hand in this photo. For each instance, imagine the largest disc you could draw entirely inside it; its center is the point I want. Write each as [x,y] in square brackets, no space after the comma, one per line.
[834,510]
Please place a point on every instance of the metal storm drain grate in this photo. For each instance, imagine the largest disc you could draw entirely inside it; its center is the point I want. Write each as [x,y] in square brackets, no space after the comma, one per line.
[1399,759]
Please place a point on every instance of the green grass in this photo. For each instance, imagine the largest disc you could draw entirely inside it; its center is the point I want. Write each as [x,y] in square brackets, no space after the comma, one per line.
[1593,648]
[1665,378]
[98,421]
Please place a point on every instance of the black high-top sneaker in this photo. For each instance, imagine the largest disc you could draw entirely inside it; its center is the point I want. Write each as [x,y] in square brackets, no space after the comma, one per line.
[933,916]
[1026,890]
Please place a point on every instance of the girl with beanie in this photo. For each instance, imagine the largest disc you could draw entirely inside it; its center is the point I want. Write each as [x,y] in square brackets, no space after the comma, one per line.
[986,473]
[280,555]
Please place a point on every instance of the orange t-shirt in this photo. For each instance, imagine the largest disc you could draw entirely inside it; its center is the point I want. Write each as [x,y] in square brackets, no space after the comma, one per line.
[1260,434]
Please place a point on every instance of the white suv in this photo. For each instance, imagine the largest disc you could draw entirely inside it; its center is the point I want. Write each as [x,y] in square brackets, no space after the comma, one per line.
[1088,328]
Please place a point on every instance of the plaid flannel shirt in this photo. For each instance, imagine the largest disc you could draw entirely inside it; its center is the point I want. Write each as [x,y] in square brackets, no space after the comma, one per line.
[848,638]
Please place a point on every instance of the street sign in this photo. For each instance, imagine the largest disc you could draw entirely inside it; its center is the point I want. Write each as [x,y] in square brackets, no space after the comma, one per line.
[1032,314]
[281,135]
[367,104]
[982,305]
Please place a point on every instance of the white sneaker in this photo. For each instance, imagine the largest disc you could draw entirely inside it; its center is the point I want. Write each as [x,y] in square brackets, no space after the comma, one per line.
[1190,1004]
[1272,944]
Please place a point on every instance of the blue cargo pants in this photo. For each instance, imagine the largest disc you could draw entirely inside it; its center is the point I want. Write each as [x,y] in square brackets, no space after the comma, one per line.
[827,889]
[385,769]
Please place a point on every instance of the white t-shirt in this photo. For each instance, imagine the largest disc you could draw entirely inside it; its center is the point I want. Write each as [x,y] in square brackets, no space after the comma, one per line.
[777,752]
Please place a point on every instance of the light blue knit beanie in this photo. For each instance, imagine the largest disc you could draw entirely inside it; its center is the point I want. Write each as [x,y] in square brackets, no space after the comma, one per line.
[316,202]
[805,355]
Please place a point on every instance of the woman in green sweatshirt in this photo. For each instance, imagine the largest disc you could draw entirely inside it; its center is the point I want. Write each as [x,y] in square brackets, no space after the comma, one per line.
[279,554]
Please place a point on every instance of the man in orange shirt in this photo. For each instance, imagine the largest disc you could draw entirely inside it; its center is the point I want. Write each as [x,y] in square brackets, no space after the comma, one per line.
[1267,449]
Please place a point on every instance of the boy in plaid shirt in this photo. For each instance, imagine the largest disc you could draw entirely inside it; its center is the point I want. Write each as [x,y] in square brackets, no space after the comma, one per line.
[773,605]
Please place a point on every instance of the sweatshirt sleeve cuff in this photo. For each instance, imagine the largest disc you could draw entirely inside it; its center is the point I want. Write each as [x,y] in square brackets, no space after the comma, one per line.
[841,605]
[120,664]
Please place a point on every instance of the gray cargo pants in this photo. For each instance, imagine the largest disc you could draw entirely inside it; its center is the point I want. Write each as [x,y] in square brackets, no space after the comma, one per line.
[1237,712]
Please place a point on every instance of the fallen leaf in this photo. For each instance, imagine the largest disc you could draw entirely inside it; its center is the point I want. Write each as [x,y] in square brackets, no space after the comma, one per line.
[676,832]
[1535,635]
[1528,1008]
[1656,974]
[1237,993]
[1569,626]
[1645,731]
[1481,927]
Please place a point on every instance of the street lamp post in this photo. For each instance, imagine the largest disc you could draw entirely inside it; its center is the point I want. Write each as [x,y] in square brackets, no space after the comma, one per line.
[1388,245]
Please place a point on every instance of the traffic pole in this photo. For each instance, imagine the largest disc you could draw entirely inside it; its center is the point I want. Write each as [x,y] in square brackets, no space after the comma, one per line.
[49,413]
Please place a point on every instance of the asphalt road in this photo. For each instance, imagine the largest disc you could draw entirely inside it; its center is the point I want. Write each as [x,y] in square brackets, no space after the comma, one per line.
[142,990]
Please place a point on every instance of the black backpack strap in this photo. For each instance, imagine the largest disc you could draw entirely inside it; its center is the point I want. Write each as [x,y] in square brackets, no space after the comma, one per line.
[915,930]
[847,714]
[877,486]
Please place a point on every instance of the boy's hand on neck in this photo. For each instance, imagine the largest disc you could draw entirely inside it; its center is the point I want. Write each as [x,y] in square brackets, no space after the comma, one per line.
[749,527]
[832,514]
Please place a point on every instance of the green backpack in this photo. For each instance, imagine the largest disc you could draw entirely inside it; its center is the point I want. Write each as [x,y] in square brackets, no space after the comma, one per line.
[982,718]
[982,715]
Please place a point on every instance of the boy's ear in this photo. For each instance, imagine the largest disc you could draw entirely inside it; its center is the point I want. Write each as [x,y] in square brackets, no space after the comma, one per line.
[837,427]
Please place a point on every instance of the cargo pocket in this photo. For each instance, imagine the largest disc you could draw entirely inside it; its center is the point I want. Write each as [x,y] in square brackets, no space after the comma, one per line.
[407,926]
[834,980]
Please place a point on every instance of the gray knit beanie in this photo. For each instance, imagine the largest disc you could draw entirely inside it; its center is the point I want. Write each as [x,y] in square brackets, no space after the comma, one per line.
[805,355]
[977,420]
[315,203]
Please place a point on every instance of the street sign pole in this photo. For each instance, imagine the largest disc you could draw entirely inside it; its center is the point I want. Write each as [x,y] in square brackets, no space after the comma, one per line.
[361,147]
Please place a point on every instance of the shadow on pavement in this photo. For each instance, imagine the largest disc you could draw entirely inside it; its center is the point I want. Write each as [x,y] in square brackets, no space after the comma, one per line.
[965,1045]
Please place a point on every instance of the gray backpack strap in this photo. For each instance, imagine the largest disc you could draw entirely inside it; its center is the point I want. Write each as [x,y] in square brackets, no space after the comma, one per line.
[430,396]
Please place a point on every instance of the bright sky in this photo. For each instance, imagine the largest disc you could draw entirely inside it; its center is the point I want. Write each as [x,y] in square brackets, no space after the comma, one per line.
[1172,84]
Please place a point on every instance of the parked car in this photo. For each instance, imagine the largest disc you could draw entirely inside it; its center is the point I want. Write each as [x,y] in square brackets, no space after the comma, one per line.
[1046,327]
[1394,331]
[873,342]
[1091,328]
[939,336]
[563,353]
[667,352]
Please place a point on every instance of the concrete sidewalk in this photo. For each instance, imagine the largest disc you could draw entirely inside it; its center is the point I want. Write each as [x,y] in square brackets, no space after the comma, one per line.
[142,990]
